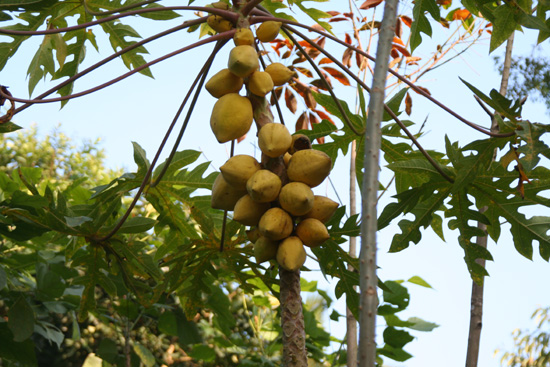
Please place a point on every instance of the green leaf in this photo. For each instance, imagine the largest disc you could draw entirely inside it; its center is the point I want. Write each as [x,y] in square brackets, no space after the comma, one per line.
[33,22]
[421,325]
[21,320]
[504,24]
[137,225]
[140,157]
[314,13]
[3,278]
[144,354]
[397,354]
[202,352]
[108,350]
[19,354]
[420,22]
[180,160]
[319,130]
[117,36]
[168,323]
[8,127]
[394,103]
[42,63]
[534,146]
[397,338]
[419,281]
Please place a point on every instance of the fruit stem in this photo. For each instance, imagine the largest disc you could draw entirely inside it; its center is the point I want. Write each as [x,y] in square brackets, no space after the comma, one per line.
[292,320]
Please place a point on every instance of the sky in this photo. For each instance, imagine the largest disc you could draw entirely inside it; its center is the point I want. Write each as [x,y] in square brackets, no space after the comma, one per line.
[140,109]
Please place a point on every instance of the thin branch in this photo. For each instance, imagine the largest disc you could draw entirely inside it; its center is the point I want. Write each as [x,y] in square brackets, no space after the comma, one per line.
[111,57]
[485,108]
[224,222]
[157,155]
[327,85]
[229,15]
[257,19]
[217,37]
[386,108]
[250,5]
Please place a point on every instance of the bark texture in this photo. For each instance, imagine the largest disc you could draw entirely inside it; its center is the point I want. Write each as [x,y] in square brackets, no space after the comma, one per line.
[292,320]
[367,263]
[476,303]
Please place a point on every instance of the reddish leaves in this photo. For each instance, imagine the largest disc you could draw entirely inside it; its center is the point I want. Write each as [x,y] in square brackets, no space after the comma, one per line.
[408,104]
[337,74]
[370,4]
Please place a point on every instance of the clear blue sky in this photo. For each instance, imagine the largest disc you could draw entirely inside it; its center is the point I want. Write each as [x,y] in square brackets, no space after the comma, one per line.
[140,109]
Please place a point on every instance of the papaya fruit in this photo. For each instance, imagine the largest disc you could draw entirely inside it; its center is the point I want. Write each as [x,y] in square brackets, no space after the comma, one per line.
[265,249]
[291,254]
[238,169]
[280,74]
[276,224]
[323,208]
[268,31]
[309,166]
[224,82]
[225,196]
[260,83]
[231,117]
[274,139]
[263,186]
[296,198]
[248,211]
[243,61]
[312,232]
[243,37]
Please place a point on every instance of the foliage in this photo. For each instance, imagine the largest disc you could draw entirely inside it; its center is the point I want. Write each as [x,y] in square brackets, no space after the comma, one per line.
[138,256]
[531,348]
[530,78]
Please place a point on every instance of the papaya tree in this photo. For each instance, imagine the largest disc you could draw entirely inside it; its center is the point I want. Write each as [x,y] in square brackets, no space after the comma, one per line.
[197,241]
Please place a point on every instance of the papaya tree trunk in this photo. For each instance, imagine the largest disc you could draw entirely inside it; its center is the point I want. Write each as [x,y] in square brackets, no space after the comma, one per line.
[367,263]
[476,303]
[292,320]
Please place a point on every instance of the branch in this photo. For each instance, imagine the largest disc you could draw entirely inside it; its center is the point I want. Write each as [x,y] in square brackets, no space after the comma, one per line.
[386,108]
[229,15]
[249,7]
[257,19]
[220,36]
[202,74]
[112,57]
[327,85]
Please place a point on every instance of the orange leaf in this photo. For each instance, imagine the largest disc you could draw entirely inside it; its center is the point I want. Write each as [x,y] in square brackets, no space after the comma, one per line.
[425,90]
[290,100]
[411,60]
[394,53]
[398,41]
[370,4]
[408,104]
[311,103]
[398,28]
[337,74]
[276,95]
[348,39]
[323,116]
[320,84]
[325,60]
[461,14]
[408,21]
[339,19]
[360,61]
[241,138]
[346,58]
[444,2]
[305,71]
[333,13]
[401,49]
[302,122]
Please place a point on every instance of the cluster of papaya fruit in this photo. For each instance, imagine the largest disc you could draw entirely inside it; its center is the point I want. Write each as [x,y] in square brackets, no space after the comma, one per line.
[281,209]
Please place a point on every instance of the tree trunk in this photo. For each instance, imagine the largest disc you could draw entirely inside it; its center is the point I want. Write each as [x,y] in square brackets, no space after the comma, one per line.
[367,272]
[292,320]
[476,309]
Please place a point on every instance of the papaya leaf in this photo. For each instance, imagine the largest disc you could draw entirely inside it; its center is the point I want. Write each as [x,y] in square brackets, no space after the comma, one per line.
[534,146]
[33,22]
[420,22]
[314,13]
[504,24]
[21,320]
[117,36]
[8,127]
[433,195]
[459,209]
